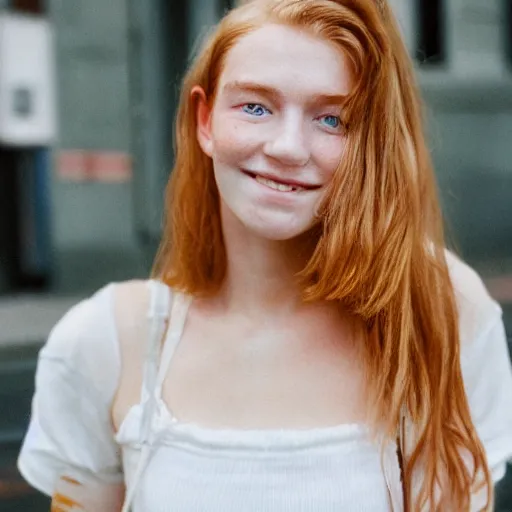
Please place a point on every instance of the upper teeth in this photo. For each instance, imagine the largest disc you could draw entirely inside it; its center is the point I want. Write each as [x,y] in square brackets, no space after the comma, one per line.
[276,186]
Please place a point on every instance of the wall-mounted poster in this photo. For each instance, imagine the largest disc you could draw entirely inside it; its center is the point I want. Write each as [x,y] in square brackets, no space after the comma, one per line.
[27,81]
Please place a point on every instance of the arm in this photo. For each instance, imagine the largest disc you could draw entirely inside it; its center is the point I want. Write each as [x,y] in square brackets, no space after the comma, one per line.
[88,495]
[69,451]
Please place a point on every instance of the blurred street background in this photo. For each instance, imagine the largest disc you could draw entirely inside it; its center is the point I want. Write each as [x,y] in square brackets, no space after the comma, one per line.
[88,92]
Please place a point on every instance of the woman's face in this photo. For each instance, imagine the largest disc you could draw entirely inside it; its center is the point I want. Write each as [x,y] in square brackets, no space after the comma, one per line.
[275,132]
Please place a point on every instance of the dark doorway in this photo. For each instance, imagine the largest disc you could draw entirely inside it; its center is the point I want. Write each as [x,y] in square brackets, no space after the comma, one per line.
[430,47]
[24,219]
[9,219]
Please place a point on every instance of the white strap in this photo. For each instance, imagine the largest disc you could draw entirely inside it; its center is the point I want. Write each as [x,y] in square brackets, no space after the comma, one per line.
[158,314]
[159,299]
[179,311]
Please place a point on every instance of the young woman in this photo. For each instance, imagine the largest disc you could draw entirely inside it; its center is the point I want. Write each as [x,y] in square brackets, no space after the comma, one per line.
[306,343]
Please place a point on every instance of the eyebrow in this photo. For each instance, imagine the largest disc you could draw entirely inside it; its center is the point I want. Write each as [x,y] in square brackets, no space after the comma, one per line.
[272,93]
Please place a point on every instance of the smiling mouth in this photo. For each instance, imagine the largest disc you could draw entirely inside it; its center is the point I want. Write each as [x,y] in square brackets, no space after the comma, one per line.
[280,186]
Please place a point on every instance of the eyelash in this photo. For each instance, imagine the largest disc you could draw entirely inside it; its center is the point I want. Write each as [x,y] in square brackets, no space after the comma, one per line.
[259,105]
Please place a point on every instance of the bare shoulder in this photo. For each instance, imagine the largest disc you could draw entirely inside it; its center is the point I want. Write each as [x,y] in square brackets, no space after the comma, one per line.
[131,302]
[478,311]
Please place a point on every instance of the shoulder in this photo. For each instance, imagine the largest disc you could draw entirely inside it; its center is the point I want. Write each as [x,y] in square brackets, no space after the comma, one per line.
[478,311]
[77,376]
[131,299]
[86,338]
[133,303]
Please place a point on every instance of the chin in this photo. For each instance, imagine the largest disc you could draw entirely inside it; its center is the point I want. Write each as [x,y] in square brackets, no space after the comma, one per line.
[264,224]
[277,233]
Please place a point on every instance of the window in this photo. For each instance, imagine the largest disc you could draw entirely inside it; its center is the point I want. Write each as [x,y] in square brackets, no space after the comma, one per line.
[430,44]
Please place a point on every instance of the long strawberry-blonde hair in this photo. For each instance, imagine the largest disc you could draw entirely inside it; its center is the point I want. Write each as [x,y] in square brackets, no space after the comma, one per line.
[380,249]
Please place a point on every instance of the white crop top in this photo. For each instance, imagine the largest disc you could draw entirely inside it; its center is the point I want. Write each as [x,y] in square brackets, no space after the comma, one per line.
[196,469]
[171,466]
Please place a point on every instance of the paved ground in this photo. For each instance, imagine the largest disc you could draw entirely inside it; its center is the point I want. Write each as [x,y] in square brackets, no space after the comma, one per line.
[29,318]
[25,322]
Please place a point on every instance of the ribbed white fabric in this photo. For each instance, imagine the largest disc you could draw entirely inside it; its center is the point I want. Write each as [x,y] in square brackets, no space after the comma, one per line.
[170,466]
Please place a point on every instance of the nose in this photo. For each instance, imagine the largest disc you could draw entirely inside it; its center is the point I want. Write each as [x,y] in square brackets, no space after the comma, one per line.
[288,143]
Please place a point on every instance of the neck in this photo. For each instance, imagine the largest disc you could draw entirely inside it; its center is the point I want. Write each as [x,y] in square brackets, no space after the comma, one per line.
[261,274]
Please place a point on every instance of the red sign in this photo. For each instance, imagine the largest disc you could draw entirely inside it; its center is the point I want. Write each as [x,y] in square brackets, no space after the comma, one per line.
[102,166]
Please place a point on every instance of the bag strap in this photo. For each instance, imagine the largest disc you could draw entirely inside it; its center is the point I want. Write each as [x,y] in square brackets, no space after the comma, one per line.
[392,462]
[400,445]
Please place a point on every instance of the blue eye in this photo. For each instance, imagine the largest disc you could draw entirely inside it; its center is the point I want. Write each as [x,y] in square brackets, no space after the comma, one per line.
[255,109]
[332,121]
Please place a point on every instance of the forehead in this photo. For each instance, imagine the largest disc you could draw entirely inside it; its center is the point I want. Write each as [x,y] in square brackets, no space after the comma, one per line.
[290,60]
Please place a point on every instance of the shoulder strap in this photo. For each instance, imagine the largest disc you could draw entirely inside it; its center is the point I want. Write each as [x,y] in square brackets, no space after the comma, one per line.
[392,461]
[401,447]
[158,321]
[178,318]
[158,316]
[159,299]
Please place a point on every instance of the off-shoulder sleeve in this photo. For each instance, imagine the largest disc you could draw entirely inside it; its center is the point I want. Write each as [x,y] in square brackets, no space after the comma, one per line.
[487,375]
[485,362]
[70,430]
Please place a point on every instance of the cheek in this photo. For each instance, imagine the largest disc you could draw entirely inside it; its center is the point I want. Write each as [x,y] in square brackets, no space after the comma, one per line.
[328,152]
[232,139]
